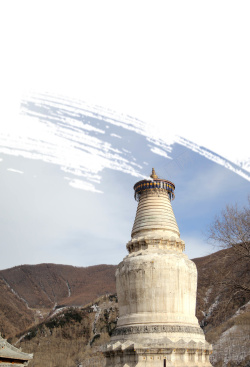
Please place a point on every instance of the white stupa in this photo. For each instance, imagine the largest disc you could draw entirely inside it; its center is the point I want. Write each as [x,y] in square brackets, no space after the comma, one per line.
[156,286]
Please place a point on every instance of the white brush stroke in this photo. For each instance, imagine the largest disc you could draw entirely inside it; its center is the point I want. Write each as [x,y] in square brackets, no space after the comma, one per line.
[54,134]
[159,152]
[116,136]
[83,185]
[15,170]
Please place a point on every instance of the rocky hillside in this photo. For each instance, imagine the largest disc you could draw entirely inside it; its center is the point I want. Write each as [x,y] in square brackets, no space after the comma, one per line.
[72,336]
[215,303]
[36,300]
[224,316]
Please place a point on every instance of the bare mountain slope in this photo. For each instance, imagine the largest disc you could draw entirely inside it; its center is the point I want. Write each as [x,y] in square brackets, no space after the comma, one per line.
[14,313]
[30,292]
[216,302]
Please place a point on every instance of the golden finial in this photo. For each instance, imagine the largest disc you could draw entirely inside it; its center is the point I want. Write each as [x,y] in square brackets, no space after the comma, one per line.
[153,175]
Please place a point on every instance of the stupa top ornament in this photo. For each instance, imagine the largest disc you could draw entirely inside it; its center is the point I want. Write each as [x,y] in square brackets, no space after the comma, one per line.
[155,183]
[153,174]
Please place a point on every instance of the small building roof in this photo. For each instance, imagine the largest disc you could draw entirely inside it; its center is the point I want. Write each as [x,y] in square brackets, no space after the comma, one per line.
[9,352]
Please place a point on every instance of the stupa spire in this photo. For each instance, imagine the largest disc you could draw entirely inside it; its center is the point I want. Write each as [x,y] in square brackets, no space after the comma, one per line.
[153,174]
[154,213]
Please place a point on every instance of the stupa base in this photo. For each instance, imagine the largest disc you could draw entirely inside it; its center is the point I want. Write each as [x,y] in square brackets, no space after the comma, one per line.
[171,354]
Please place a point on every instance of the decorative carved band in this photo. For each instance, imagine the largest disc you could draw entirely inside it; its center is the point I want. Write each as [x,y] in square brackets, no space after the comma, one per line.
[162,243]
[156,329]
[157,184]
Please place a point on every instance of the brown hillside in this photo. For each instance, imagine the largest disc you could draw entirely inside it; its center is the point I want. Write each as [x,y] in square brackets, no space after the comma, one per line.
[33,290]
[215,302]
[47,285]
[14,314]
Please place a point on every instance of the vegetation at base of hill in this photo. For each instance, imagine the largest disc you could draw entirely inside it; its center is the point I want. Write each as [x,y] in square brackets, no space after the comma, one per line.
[71,316]
[214,333]
[68,317]
[73,336]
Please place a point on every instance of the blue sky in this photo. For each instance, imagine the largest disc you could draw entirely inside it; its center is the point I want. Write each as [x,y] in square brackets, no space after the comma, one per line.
[93,95]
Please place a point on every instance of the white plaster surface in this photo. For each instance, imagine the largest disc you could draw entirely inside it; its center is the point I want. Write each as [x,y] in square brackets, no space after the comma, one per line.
[156,286]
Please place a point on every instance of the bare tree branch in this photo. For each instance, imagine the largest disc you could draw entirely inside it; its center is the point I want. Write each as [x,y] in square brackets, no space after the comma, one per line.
[231,230]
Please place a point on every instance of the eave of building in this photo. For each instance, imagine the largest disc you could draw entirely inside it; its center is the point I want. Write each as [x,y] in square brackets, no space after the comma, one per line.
[8,352]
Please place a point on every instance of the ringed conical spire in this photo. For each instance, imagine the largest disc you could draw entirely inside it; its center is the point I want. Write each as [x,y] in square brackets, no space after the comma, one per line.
[154,212]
